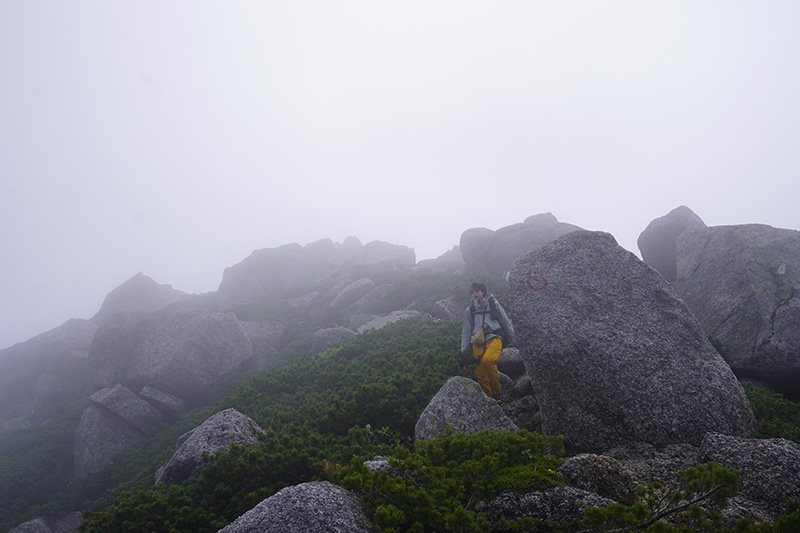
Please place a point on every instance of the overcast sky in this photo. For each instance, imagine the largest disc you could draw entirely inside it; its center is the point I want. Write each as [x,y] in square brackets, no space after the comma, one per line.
[174,138]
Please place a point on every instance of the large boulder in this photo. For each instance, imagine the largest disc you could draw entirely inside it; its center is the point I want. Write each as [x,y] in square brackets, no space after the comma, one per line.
[100,435]
[115,419]
[313,507]
[50,368]
[743,285]
[657,242]
[214,435]
[137,298]
[492,253]
[613,354]
[462,405]
[183,355]
[128,406]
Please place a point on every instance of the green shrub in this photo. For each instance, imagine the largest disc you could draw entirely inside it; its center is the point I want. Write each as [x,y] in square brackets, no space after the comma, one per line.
[776,416]
[437,487]
[659,508]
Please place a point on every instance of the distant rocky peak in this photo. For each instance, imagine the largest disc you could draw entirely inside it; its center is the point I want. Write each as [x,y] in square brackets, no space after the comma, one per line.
[137,298]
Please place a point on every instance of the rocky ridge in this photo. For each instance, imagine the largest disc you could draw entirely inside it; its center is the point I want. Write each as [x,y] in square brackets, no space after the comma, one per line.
[125,324]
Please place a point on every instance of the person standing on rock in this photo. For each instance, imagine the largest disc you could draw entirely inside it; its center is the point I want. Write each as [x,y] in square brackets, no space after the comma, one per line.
[485,324]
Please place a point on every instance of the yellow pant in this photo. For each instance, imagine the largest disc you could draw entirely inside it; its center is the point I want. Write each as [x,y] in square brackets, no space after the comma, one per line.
[486,371]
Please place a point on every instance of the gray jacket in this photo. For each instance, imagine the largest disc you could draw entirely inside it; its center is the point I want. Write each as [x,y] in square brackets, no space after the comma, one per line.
[484,317]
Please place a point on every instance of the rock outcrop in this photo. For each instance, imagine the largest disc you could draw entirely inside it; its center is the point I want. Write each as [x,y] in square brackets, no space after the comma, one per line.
[461,404]
[183,355]
[40,376]
[271,272]
[324,338]
[613,354]
[137,298]
[658,241]
[214,435]
[492,253]
[743,285]
[313,507]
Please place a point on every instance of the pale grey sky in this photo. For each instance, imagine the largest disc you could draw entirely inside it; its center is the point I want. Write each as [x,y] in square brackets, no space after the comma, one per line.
[174,138]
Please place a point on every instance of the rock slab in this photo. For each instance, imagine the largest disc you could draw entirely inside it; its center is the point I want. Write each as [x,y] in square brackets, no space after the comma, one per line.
[613,354]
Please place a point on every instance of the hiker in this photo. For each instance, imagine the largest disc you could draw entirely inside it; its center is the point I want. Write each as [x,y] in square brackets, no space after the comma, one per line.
[485,325]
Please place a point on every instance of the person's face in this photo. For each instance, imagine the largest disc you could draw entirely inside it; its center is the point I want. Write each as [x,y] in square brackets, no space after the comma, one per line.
[477,294]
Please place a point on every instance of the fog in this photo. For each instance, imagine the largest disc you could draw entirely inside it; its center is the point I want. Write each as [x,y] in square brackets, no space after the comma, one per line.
[174,138]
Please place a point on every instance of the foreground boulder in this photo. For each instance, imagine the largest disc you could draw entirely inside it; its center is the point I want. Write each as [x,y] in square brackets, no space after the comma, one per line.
[769,471]
[743,285]
[214,435]
[183,355]
[462,405]
[314,507]
[613,354]
[658,241]
[492,253]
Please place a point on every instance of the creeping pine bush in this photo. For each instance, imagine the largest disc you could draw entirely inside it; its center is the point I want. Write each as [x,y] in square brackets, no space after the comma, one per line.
[437,487]
[658,508]
[317,412]
[776,416]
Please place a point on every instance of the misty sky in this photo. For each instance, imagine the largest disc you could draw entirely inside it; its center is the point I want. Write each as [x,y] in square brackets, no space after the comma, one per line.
[174,138]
